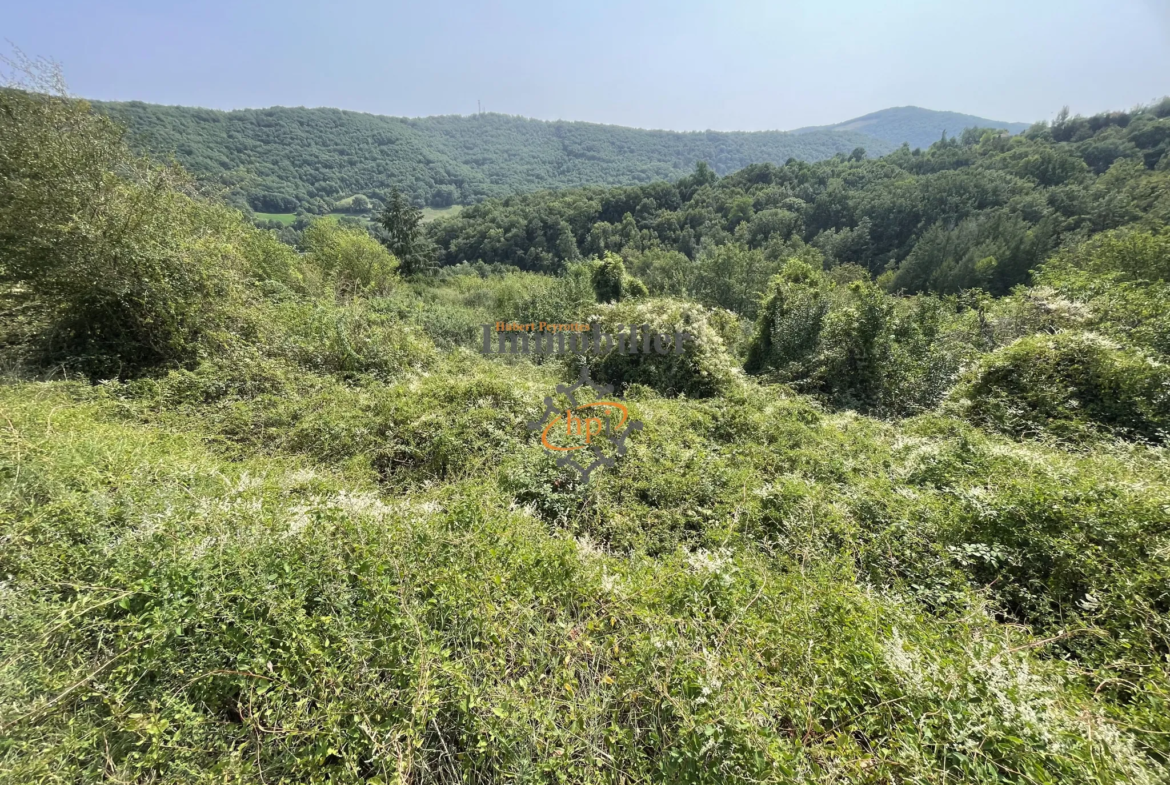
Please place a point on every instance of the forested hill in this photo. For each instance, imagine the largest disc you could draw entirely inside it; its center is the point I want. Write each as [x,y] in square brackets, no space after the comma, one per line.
[979,210]
[914,125]
[310,158]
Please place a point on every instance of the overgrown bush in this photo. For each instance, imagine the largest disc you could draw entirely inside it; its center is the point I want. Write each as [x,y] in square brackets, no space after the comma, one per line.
[855,364]
[665,273]
[198,604]
[788,329]
[856,346]
[733,277]
[706,368]
[1120,282]
[130,269]
[453,309]
[128,265]
[611,282]
[1068,385]
[608,276]
[1132,254]
[350,259]
[349,341]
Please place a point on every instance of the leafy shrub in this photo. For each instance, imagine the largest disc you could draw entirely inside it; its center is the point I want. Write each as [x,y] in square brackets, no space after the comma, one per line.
[665,273]
[132,269]
[609,278]
[1068,385]
[632,287]
[1132,254]
[934,338]
[453,309]
[349,258]
[788,329]
[704,369]
[1038,309]
[732,276]
[1120,282]
[176,608]
[463,416]
[856,346]
[855,364]
[239,371]
[530,297]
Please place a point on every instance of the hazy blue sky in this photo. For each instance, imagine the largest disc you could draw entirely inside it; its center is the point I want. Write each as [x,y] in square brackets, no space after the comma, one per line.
[680,64]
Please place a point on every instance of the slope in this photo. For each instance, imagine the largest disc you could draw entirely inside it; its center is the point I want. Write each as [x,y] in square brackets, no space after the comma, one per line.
[282,159]
[912,124]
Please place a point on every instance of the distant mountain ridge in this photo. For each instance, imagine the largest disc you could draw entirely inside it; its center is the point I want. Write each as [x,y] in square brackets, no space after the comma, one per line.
[298,158]
[914,125]
[281,159]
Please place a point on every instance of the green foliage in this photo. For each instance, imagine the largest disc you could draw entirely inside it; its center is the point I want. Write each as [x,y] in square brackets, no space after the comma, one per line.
[349,259]
[857,347]
[1114,283]
[732,277]
[633,287]
[608,277]
[664,273]
[273,262]
[993,251]
[1067,384]
[349,341]
[978,211]
[281,159]
[400,222]
[129,269]
[330,548]
[267,593]
[856,350]
[706,368]
[788,331]
[1128,255]
[452,307]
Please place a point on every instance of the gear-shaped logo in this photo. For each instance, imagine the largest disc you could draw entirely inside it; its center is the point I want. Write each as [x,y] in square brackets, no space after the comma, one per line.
[586,427]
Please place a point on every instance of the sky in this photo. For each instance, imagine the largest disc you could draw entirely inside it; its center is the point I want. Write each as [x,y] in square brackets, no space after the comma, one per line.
[675,64]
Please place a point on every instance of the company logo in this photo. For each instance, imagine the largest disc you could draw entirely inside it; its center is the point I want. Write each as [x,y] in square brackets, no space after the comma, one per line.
[585,436]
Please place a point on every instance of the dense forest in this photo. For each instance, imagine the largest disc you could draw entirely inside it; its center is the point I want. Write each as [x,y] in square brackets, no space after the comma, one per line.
[280,160]
[914,126]
[978,210]
[901,515]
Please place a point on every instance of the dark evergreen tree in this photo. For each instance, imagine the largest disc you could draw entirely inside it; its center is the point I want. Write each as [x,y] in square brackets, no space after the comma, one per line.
[401,224]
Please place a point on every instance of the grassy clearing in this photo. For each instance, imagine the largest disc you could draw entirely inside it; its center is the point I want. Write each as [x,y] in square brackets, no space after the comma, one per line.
[284,218]
[433,213]
[429,214]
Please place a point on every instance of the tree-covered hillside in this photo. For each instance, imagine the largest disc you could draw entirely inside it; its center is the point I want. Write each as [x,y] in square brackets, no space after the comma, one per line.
[914,125]
[980,210]
[284,159]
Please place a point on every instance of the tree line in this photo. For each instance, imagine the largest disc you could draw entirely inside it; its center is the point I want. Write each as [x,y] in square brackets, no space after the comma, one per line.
[281,160]
[977,210]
